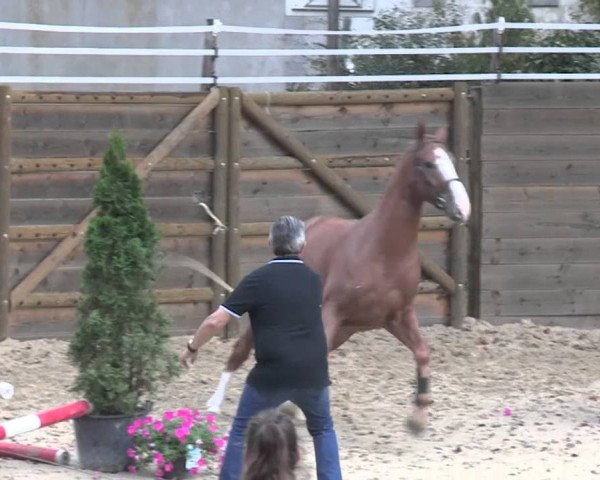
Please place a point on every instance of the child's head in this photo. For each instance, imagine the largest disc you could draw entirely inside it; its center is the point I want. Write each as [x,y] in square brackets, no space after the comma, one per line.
[271,447]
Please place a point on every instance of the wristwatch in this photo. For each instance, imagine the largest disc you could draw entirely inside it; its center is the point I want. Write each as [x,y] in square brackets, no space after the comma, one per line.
[189,346]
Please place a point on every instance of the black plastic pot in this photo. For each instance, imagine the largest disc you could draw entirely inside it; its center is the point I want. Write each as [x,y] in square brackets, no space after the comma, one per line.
[102,442]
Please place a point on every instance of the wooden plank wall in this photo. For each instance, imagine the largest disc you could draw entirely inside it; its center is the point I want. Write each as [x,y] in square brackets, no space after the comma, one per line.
[58,142]
[361,143]
[540,255]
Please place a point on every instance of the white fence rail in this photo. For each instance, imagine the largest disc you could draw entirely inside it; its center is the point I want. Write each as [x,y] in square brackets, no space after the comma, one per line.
[219,29]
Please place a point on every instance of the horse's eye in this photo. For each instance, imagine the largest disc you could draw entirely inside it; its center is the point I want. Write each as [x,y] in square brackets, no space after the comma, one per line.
[429,164]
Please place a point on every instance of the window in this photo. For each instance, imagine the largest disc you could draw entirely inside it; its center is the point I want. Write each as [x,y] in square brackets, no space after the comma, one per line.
[318,7]
[543,3]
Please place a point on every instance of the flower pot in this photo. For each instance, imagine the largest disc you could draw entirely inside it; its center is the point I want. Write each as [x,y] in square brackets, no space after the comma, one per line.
[179,471]
[102,442]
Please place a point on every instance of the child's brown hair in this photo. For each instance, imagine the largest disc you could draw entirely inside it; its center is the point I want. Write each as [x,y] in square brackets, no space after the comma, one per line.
[271,447]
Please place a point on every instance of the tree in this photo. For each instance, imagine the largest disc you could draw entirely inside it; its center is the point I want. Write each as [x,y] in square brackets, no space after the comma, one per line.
[120,346]
[567,62]
[585,11]
[512,11]
[442,14]
[445,13]
[589,9]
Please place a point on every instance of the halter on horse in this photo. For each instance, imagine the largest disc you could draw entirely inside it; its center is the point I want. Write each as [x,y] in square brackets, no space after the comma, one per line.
[370,267]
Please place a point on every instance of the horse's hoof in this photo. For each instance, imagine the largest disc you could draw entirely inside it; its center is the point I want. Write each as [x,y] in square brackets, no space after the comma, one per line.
[417,422]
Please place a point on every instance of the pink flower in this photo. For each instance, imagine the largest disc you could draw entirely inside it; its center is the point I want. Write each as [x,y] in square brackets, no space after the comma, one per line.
[132,429]
[131,469]
[219,442]
[507,411]
[199,441]
[158,426]
[181,434]
[159,473]
[168,467]
[168,416]
[148,420]
[184,412]
[201,463]
[210,418]
[145,433]
[158,458]
[187,424]
[131,453]
[212,428]
[194,471]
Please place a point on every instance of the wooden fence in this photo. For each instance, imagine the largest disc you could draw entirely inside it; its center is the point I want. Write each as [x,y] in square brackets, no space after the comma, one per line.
[540,248]
[250,157]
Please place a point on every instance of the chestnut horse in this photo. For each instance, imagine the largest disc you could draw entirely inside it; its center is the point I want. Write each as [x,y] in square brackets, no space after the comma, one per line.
[370,268]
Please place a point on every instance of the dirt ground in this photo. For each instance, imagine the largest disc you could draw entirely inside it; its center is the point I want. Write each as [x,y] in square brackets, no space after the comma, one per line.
[549,378]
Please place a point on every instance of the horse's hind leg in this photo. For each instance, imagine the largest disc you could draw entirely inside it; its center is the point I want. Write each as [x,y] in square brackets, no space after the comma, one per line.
[241,351]
[335,336]
[406,329]
[239,354]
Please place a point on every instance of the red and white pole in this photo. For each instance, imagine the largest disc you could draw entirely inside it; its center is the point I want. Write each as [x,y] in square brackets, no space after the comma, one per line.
[28,423]
[31,452]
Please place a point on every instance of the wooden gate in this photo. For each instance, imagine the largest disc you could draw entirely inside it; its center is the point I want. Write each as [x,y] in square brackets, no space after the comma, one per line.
[251,157]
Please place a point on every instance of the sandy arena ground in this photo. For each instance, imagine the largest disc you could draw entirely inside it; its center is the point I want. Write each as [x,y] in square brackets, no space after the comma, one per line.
[548,377]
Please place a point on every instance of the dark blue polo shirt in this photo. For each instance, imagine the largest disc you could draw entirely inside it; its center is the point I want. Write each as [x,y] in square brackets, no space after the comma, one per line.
[283,300]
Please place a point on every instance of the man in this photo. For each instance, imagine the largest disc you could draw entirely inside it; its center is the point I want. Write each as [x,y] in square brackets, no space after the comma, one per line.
[283,300]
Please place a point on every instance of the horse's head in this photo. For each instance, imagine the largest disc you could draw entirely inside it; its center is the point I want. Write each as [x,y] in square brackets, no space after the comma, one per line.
[437,180]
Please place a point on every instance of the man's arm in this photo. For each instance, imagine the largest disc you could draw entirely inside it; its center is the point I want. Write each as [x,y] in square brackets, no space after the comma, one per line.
[215,322]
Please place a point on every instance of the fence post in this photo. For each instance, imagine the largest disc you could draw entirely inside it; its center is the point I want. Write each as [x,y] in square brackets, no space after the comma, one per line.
[219,195]
[233,196]
[498,43]
[209,64]
[459,234]
[333,41]
[5,154]
[475,224]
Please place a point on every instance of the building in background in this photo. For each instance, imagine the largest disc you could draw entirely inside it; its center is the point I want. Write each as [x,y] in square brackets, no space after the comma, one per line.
[543,10]
[296,14]
[263,13]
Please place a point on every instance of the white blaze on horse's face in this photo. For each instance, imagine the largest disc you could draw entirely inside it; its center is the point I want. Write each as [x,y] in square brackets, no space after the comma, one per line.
[458,207]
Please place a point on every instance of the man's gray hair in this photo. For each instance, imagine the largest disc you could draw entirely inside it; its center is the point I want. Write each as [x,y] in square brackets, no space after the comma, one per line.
[287,235]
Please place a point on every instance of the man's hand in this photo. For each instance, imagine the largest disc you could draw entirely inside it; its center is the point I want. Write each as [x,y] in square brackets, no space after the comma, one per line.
[207,329]
[187,358]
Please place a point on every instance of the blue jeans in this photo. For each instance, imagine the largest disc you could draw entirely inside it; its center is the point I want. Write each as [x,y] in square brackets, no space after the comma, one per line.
[314,403]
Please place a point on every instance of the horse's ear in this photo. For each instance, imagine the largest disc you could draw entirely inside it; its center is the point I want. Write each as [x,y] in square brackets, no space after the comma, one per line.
[441,136]
[420,133]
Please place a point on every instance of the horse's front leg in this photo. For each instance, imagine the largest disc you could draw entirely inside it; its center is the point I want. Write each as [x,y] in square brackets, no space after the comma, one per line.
[405,328]
[239,354]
